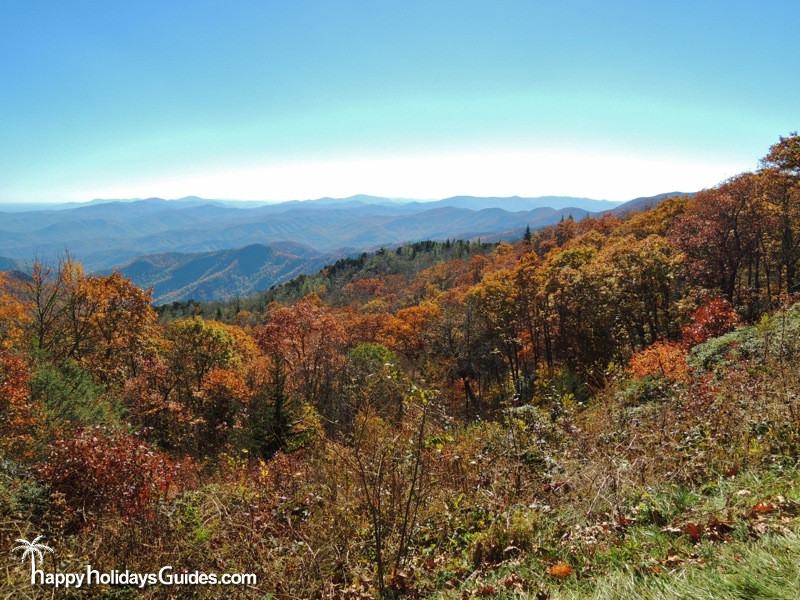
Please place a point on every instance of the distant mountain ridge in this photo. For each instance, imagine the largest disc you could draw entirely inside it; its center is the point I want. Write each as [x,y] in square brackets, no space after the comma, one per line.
[474,202]
[214,249]
[105,234]
[517,203]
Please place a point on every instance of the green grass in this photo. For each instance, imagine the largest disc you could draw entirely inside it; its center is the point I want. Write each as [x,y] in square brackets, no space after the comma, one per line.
[766,569]
[651,558]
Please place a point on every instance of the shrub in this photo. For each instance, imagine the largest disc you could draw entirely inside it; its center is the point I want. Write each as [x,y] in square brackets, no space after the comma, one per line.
[17,416]
[713,318]
[97,471]
[664,359]
[506,537]
[20,496]
[652,388]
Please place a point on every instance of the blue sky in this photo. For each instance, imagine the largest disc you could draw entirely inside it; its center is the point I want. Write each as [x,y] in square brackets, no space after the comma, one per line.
[277,100]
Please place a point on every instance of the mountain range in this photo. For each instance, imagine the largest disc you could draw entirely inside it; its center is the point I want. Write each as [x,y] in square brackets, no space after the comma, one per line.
[213,249]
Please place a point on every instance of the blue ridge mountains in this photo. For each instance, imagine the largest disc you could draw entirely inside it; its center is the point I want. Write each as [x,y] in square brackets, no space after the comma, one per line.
[214,249]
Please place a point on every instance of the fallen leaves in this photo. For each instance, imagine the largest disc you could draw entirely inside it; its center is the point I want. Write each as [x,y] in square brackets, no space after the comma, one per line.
[718,530]
[675,561]
[485,590]
[514,582]
[560,570]
[764,508]
[694,531]
[778,504]
[715,529]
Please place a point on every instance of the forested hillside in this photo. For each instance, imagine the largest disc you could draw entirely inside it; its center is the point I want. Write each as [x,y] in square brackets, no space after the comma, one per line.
[332,284]
[224,273]
[607,408]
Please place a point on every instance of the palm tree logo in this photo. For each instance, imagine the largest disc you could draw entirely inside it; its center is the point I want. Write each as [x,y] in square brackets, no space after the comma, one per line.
[34,550]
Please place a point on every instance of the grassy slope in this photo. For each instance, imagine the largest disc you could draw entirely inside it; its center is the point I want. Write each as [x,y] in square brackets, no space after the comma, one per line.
[725,536]
[739,552]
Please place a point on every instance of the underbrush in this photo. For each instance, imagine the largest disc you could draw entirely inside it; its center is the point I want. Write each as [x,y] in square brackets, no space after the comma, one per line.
[655,488]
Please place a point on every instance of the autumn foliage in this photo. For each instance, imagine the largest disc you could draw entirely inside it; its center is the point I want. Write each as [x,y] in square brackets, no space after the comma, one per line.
[665,359]
[413,416]
[713,318]
[16,411]
[560,570]
[99,472]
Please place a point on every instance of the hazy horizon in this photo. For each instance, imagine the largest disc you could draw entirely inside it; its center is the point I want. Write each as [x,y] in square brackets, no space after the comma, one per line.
[192,197]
